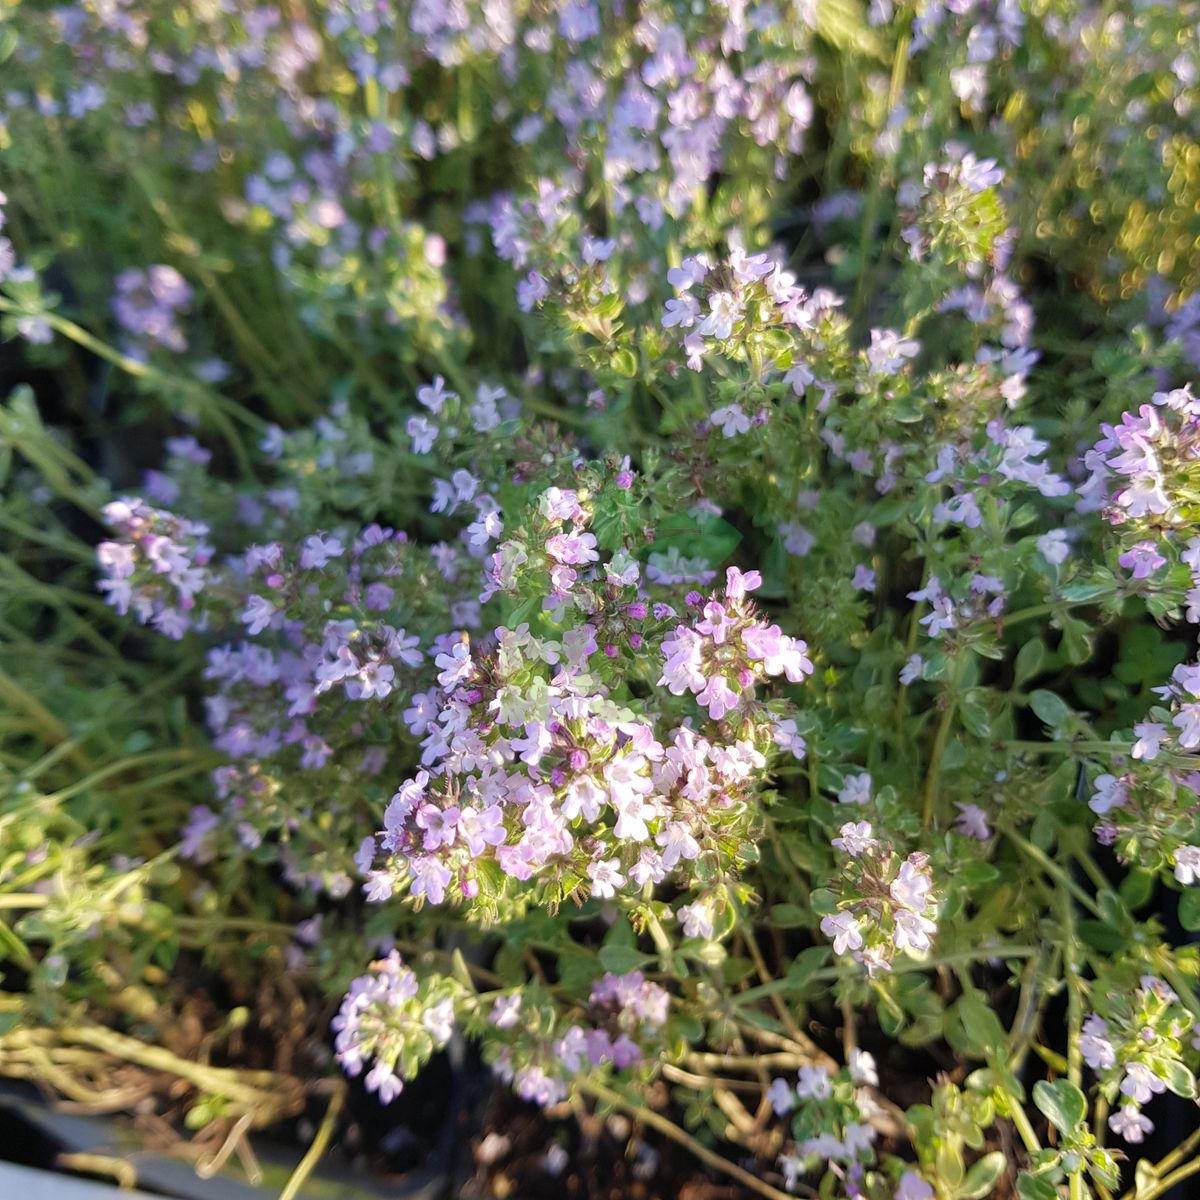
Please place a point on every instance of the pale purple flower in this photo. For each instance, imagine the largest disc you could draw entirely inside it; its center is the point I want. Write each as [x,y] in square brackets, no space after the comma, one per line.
[731,420]
[429,878]
[1054,546]
[842,929]
[1110,793]
[796,539]
[364,856]
[1130,1124]
[1094,1045]
[913,930]
[423,433]
[864,578]
[318,550]
[1142,560]
[912,1187]
[1140,1083]
[1149,738]
[434,395]
[856,838]
[856,789]
[813,1084]
[889,351]
[505,1012]
[682,311]
[782,1097]
[910,889]
[455,667]
[1187,721]
[606,878]
[972,822]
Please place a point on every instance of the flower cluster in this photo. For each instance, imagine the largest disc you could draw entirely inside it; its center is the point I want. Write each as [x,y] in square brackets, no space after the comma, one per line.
[954,213]
[394,1020]
[633,1008]
[148,303]
[1148,803]
[733,309]
[1142,471]
[886,904]
[720,656]
[829,1118]
[157,568]
[541,378]
[1134,1044]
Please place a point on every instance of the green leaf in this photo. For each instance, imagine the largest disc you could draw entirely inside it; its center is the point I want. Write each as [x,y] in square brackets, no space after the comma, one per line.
[976,874]
[622,959]
[982,1177]
[985,1034]
[1029,661]
[1091,590]
[1077,639]
[789,916]
[1035,1187]
[1189,909]
[696,535]
[1101,937]
[974,715]
[1137,887]
[623,362]
[1050,707]
[1177,1077]
[948,1162]
[823,902]
[1062,1102]
[807,963]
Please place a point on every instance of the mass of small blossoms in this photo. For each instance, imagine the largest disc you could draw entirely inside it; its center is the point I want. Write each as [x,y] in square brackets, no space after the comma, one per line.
[659,541]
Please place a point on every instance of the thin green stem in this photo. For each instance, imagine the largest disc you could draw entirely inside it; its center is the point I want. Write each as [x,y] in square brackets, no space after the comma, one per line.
[1053,869]
[941,737]
[320,1144]
[681,1137]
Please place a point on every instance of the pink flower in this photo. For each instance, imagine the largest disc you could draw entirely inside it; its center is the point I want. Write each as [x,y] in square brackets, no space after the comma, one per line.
[572,548]
[738,582]
[718,698]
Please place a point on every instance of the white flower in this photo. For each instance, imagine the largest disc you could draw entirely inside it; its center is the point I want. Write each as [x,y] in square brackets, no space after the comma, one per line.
[910,888]
[862,1068]
[1187,864]
[697,920]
